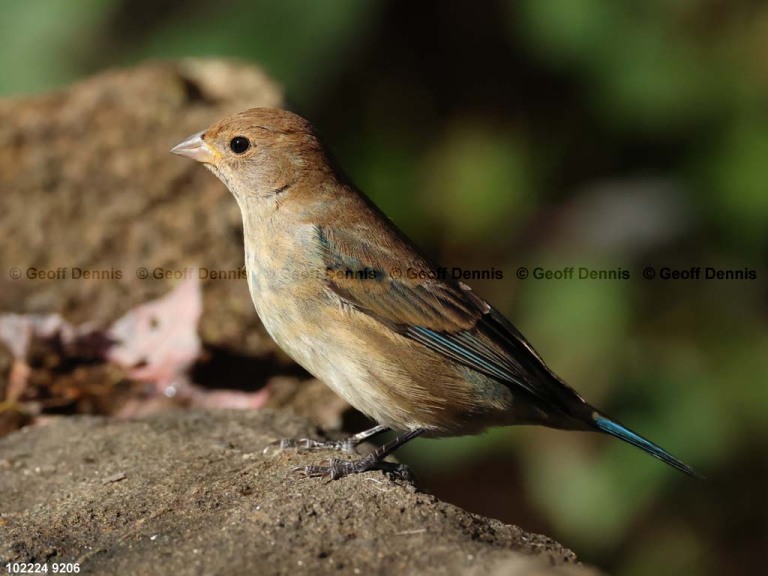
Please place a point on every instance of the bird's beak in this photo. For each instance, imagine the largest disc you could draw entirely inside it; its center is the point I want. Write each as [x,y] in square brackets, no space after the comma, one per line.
[196,148]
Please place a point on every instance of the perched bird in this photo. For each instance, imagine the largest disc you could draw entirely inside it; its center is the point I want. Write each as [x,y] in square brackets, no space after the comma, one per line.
[353,301]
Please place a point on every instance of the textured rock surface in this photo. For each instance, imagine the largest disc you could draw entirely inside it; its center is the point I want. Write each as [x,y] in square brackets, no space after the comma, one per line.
[87,182]
[191,493]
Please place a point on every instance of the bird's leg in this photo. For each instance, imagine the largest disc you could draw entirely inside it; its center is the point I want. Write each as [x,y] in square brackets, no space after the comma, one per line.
[347,445]
[336,468]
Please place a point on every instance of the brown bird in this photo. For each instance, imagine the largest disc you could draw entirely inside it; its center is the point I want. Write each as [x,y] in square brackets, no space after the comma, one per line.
[354,302]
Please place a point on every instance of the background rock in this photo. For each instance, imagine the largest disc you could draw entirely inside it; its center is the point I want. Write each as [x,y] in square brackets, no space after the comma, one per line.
[87,182]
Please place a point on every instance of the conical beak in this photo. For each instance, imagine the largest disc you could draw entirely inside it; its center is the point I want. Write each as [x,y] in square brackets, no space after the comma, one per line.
[196,148]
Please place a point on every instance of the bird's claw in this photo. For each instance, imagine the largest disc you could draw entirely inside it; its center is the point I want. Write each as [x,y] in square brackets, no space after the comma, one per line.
[333,469]
[301,444]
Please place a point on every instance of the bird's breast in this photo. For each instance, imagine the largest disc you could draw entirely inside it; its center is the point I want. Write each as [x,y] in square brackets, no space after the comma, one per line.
[285,278]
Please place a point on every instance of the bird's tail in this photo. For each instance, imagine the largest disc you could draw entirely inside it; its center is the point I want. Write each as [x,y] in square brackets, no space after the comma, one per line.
[605,424]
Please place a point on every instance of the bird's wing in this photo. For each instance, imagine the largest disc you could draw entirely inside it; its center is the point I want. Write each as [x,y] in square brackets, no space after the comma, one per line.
[391,283]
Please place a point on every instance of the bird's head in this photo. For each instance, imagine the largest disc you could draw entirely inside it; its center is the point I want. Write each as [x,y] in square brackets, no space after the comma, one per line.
[258,153]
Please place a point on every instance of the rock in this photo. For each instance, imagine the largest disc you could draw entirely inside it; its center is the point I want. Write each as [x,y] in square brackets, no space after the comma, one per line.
[192,493]
[88,186]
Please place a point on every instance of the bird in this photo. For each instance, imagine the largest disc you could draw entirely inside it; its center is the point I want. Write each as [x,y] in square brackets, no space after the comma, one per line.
[353,301]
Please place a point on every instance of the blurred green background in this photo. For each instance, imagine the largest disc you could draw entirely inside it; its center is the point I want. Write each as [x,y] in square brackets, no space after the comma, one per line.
[539,133]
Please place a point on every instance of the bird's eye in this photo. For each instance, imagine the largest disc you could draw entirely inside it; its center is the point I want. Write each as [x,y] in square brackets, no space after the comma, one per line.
[239,144]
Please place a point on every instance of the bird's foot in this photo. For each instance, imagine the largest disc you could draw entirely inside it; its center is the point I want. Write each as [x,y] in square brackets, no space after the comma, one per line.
[333,469]
[347,445]
[309,444]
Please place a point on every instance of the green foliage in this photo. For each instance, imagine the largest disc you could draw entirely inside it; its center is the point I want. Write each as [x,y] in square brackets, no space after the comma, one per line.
[476,182]
[46,41]
[305,60]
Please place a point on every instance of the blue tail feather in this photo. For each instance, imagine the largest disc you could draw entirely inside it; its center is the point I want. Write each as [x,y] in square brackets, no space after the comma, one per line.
[608,426]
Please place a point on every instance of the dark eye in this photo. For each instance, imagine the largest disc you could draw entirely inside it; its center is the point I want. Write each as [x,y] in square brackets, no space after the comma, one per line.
[239,144]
